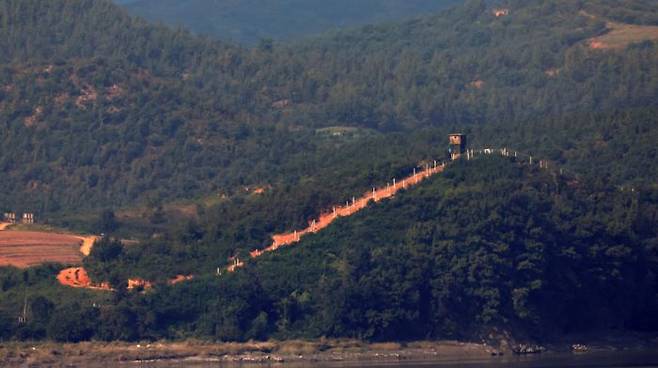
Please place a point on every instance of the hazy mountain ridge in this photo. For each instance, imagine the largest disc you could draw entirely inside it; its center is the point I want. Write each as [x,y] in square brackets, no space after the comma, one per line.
[249,21]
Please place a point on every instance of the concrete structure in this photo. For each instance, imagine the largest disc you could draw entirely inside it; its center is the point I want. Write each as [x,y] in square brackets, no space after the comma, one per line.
[10,217]
[28,218]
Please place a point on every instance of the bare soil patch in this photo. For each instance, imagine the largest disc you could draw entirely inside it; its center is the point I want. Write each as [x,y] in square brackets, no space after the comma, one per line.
[28,248]
[77,277]
[87,243]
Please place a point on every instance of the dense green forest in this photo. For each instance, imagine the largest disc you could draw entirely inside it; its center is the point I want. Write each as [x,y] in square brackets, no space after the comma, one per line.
[251,21]
[489,243]
[624,159]
[100,109]
[101,112]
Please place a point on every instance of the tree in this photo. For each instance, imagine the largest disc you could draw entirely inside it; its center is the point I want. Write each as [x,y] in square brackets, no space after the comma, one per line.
[107,222]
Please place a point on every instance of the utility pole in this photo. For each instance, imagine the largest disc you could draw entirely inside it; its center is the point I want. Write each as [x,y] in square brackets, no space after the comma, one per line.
[22,319]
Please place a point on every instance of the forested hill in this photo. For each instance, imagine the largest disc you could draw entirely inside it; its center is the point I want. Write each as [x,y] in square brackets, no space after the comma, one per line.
[489,245]
[101,109]
[250,21]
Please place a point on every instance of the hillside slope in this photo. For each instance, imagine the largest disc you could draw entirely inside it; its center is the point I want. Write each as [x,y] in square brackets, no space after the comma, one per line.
[488,244]
[114,112]
[100,110]
[249,21]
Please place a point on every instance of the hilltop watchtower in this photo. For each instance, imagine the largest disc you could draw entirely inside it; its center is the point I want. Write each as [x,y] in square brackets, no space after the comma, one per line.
[457,145]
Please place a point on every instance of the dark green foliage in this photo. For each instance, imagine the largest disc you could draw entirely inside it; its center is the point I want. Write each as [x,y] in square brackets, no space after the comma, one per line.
[73,323]
[107,222]
[488,244]
[106,250]
[612,148]
[625,11]
[177,116]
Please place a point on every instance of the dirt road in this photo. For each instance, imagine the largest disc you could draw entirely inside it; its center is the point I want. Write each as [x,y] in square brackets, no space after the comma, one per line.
[350,208]
[87,243]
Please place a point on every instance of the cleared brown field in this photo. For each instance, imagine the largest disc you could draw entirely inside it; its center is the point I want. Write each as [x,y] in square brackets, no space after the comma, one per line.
[28,248]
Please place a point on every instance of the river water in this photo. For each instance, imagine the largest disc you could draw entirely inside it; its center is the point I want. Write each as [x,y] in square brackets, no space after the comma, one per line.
[563,360]
[634,359]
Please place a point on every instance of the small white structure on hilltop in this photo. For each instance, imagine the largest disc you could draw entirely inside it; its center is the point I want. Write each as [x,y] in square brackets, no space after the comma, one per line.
[28,218]
[9,217]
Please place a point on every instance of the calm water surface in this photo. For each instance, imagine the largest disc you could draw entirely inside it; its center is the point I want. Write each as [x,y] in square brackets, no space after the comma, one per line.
[567,360]
[643,359]
[604,359]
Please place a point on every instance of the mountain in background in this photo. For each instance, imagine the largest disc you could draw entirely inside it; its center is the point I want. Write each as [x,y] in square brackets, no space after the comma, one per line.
[102,109]
[249,21]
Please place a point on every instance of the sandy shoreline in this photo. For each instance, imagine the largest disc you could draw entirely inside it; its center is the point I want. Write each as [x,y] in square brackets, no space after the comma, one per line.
[292,353]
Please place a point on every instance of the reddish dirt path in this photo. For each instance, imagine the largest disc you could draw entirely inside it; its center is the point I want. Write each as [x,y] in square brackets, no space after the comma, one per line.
[350,208]
[77,277]
[179,279]
[29,248]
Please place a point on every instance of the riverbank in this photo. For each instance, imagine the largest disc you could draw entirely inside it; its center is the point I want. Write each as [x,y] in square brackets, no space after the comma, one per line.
[100,354]
[190,352]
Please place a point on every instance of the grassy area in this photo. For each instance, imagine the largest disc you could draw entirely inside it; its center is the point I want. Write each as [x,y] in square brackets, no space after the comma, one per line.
[38,227]
[344,132]
[621,35]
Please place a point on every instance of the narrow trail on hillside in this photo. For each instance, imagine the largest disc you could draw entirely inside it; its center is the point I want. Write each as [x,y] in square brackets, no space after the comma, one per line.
[350,208]
[358,204]
[77,277]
